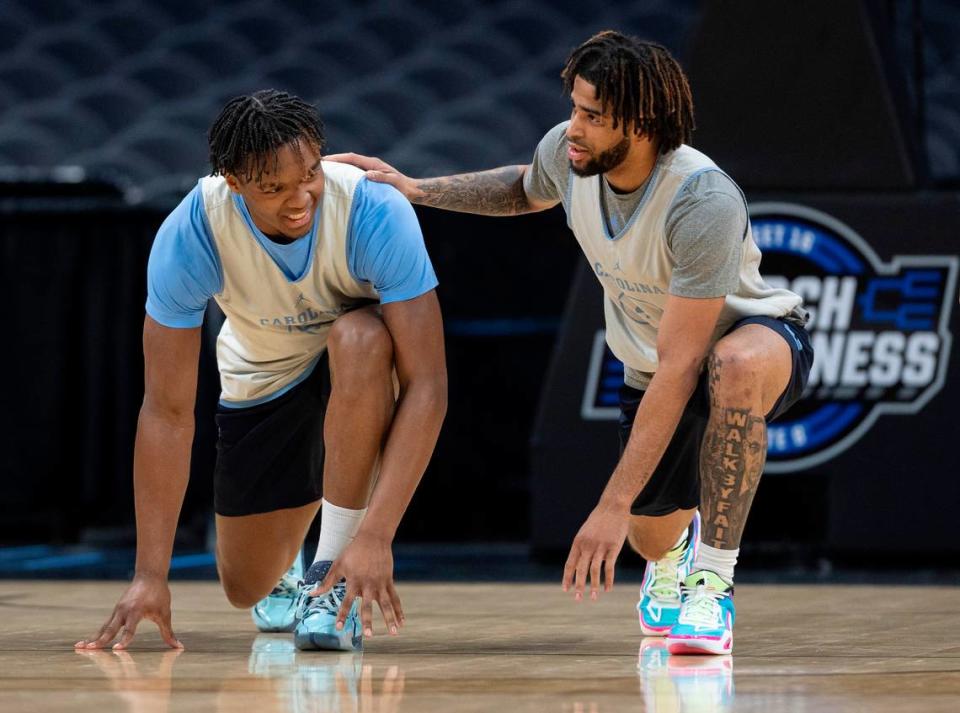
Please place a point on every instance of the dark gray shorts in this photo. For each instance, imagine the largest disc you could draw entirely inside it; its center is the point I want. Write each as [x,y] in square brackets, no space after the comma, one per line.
[675,484]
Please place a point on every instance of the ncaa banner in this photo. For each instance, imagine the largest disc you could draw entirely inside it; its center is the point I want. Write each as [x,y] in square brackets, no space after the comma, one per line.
[880,332]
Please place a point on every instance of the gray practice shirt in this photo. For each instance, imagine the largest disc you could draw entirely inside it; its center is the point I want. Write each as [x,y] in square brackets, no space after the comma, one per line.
[704,229]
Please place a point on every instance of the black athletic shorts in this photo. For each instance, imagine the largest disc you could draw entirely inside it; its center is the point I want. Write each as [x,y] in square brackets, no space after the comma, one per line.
[270,456]
[675,484]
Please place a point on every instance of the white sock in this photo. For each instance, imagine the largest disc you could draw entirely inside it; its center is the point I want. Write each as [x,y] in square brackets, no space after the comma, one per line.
[338,527]
[720,562]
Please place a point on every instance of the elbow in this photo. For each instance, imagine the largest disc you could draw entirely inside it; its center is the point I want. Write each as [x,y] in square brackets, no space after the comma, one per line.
[428,395]
[173,413]
[437,397]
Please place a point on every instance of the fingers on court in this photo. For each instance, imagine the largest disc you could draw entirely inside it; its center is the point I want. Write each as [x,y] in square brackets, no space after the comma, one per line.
[127,632]
[583,567]
[366,615]
[595,575]
[106,634]
[570,568]
[609,565]
[397,606]
[389,614]
[166,631]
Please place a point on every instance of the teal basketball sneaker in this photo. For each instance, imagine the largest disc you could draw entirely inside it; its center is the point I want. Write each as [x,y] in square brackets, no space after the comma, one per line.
[705,623]
[317,616]
[277,611]
[659,604]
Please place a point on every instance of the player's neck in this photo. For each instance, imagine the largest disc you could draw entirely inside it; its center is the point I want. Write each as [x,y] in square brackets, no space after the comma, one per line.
[634,171]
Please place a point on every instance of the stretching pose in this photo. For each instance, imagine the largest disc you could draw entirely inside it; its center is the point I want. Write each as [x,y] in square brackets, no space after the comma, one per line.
[711,352]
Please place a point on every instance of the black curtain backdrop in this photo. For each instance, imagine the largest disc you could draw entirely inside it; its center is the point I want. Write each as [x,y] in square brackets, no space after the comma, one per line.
[74,281]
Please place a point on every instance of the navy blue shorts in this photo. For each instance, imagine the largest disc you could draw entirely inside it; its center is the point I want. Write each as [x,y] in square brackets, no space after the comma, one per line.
[675,484]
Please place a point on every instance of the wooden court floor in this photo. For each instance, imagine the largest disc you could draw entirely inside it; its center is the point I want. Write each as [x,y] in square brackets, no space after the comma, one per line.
[483,647]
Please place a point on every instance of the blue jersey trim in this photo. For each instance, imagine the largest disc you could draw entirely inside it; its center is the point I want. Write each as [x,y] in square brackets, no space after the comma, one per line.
[277,251]
[647,190]
[419,291]
[276,394]
[173,321]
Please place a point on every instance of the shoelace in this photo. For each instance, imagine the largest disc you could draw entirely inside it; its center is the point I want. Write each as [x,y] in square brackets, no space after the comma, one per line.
[289,585]
[701,606]
[328,602]
[664,584]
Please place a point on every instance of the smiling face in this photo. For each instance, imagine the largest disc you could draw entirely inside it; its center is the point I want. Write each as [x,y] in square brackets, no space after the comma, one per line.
[283,200]
[593,145]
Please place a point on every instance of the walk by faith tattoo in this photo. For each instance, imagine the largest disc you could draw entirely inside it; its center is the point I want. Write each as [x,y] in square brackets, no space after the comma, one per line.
[731,462]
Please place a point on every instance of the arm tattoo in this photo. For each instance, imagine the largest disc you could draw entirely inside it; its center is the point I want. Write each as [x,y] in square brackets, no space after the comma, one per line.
[496,192]
[731,461]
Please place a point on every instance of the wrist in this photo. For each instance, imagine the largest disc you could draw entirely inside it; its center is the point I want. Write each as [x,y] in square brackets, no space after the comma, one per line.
[615,502]
[376,532]
[415,193]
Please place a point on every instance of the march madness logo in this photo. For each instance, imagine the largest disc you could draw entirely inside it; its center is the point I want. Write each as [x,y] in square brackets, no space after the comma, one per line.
[879,331]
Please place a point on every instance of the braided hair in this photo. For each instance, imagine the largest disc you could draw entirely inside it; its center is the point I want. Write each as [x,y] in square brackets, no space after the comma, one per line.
[246,138]
[641,83]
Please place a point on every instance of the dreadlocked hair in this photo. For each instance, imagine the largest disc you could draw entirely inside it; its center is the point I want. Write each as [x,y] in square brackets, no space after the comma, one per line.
[246,138]
[639,82]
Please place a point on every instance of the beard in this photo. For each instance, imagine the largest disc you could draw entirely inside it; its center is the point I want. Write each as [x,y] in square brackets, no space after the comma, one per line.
[606,161]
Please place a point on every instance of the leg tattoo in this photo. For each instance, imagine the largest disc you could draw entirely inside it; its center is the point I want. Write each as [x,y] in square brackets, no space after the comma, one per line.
[731,460]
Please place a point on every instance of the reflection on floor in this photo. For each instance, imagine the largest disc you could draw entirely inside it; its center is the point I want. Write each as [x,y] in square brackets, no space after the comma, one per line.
[488,647]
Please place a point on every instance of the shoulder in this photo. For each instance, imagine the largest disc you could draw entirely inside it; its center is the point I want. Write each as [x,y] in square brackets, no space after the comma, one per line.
[188,220]
[184,240]
[549,171]
[710,204]
[381,200]
[711,190]
[554,144]
[702,184]
[341,179]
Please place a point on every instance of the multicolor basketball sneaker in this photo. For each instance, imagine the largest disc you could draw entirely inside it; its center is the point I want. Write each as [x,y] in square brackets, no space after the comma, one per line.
[659,604]
[705,623]
[317,615]
[277,611]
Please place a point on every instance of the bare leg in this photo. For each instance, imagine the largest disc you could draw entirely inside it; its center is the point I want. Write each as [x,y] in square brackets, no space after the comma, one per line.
[652,537]
[748,370]
[361,406]
[253,551]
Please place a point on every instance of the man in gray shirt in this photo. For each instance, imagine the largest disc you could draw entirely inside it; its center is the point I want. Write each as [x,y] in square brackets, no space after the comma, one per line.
[711,352]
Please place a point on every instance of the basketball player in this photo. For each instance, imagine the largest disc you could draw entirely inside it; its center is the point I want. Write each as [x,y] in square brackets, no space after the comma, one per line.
[711,352]
[328,291]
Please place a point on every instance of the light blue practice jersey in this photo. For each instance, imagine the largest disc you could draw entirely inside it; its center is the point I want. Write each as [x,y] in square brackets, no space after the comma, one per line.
[384,248]
[280,300]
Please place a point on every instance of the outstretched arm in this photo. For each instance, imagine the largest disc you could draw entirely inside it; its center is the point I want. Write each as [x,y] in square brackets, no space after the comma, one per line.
[161,467]
[683,342]
[496,192]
